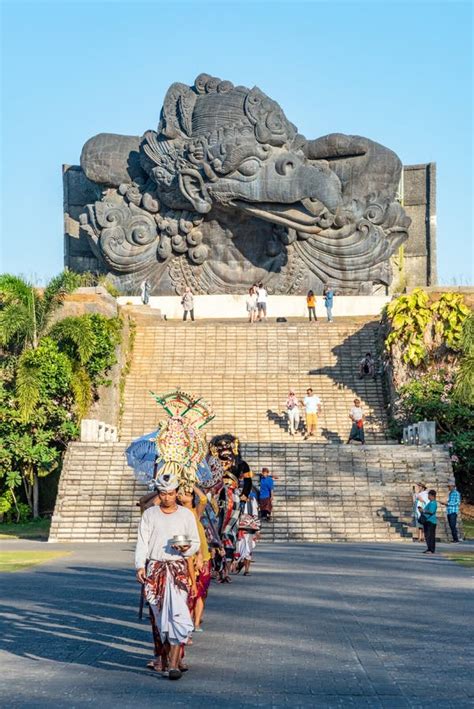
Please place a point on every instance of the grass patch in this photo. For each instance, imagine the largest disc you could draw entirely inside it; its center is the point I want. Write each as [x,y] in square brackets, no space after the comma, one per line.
[468,527]
[20,560]
[36,529]
[465,558]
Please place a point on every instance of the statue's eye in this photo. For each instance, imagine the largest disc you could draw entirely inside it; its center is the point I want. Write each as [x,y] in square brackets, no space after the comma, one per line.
[249,167]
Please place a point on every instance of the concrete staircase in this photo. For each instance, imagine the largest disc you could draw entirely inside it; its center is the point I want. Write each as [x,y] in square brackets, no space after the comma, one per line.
[329,492]
[245,372]
[323,493]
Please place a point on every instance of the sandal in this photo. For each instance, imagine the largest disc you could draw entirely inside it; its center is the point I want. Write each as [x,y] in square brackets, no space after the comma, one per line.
[175,674]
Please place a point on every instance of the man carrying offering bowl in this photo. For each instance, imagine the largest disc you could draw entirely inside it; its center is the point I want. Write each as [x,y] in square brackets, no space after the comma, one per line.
[166,535]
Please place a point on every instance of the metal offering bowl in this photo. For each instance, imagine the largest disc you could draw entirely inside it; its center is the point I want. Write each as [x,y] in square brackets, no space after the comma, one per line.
[180,541]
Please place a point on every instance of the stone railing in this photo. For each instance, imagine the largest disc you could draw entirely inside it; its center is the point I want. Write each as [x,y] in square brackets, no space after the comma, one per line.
[93,431]
[422,433]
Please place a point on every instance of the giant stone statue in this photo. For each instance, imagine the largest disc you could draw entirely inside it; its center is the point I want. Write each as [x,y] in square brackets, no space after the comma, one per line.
[226,193]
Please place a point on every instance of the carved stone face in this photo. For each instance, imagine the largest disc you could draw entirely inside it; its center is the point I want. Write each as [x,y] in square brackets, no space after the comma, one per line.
[226,193]
[242,153]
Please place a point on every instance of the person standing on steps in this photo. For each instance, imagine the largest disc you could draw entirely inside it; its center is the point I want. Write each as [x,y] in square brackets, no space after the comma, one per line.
[293,412]
[251,304]
[145,290]
[311,303]
[312,406]
[265,497]
[262,297]
[356,415]
[428,518]
[452,509]
[329,301]
[165,576]
[187,301]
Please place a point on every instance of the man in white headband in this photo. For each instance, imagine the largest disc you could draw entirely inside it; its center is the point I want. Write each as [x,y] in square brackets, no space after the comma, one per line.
[163,570]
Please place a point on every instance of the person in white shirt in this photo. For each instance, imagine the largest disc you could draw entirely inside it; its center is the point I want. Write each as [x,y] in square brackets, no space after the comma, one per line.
[312,407]
[293,412]
[420,499]
[262,297]
[163,570]
[251,304]
[356,415]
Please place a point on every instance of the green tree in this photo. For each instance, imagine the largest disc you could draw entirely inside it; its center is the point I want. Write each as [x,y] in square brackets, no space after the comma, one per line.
[26,311]
[49,375]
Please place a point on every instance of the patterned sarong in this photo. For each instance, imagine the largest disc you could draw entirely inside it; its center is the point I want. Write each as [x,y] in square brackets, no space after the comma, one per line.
[166,589]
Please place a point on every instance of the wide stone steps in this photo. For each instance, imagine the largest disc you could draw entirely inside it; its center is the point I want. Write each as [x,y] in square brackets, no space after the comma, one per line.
[323,493]
[245,371]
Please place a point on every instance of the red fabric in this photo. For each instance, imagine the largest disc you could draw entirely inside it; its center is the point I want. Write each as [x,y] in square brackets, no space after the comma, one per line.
[156,574]
[203,580]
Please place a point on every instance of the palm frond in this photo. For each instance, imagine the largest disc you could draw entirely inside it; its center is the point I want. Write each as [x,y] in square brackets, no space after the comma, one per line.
[464,385]
[14,289]
[53,297]
[467,336]
[76,335]
[27,387]
[16,326]
[82,389]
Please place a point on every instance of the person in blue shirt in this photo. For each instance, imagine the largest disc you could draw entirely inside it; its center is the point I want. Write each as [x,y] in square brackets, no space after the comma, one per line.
[266,494]
[429,525]
[452,509]
[328,301]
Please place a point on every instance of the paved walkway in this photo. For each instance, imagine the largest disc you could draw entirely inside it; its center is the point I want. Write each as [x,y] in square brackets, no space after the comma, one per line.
[313,626]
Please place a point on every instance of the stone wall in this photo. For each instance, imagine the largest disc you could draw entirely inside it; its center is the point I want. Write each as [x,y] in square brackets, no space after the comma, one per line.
[419,201]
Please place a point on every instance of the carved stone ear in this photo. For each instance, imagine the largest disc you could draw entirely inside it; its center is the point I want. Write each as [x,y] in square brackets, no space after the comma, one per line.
[193,188]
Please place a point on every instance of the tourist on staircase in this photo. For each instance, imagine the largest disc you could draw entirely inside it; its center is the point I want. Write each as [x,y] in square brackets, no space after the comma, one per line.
[162,569]
[262,298]
[356,415]
[293,412]
[329,301]
[265,497]
[145,290]
[251,304]
[311,303]
[367,366]
[312,405]
[187,301]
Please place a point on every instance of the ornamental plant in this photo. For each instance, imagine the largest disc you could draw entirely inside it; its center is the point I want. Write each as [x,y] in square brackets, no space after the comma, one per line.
[48,378]
[430,350]
[409,316]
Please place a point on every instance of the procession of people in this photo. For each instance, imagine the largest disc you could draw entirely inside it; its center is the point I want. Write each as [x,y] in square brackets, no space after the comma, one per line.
[200,522]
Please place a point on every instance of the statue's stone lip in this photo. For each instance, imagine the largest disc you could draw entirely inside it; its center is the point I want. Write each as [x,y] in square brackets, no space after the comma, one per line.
[294,216]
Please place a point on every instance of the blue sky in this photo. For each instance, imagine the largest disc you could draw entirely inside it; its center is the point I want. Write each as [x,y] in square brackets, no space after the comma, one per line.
[399,73]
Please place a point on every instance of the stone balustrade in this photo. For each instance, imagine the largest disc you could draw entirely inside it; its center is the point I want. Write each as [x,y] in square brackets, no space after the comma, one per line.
[94,431]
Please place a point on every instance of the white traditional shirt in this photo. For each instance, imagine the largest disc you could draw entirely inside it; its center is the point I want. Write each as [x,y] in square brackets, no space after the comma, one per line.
[156,530]
[356,413]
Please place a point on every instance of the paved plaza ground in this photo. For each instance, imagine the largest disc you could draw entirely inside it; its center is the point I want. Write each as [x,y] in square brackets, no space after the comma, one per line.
[359,625]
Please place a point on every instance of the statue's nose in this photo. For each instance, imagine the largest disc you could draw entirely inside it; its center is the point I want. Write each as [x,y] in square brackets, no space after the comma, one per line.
[286,164]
